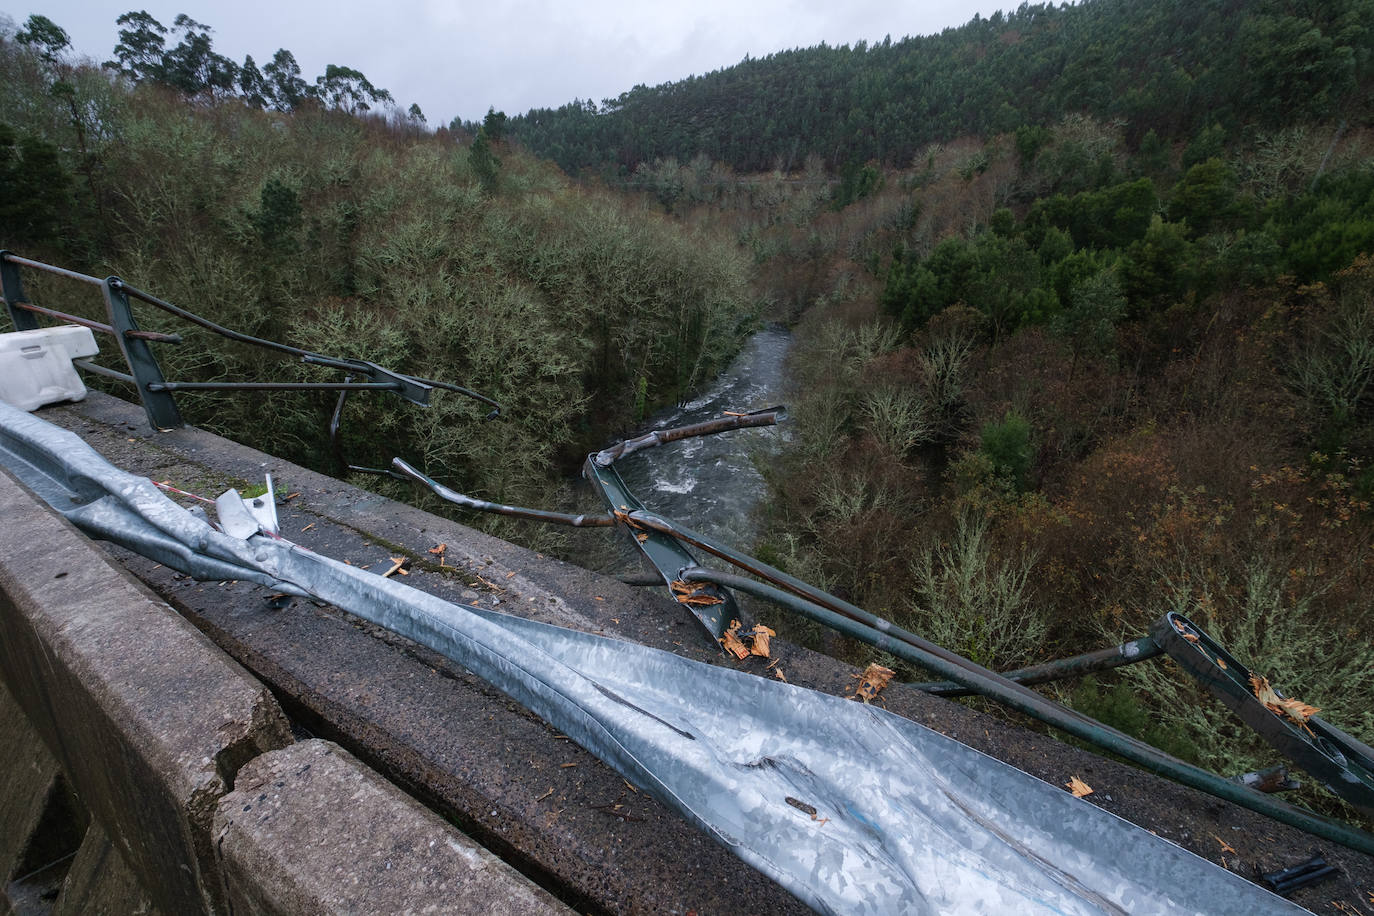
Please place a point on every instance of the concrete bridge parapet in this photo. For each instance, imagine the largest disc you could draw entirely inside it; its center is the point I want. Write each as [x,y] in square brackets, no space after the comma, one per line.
[146,771]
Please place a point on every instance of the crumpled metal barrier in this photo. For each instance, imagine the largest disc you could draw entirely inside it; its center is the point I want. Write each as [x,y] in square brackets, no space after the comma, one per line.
[851,808]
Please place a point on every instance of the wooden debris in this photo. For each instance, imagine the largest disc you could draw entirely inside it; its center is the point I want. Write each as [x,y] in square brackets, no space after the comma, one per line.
[1078,787]
[731,641]
[1225,846]
[396,567]
[871,682]
[692,593]
[545,795]
[308,527]
[777,673]
[1294,710]
[759,644]
[439,551]
[642,536]
[564,766]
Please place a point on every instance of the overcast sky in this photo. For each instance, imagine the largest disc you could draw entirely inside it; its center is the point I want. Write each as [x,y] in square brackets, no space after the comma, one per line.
[457,57]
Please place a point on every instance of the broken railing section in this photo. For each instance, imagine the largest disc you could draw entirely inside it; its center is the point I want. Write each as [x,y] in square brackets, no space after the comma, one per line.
[1128,653]
[851,808]
[404,471]
[768,416]
[156,392]
[1344,764]
[713,607]
[665,543]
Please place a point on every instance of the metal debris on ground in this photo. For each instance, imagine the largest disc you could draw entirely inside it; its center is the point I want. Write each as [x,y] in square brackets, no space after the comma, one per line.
[1287,880]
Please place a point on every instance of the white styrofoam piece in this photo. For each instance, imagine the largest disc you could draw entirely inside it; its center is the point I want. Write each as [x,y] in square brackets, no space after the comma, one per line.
[36,366]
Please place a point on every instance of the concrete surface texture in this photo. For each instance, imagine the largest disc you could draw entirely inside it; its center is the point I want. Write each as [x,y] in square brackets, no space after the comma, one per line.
[287,845]
[505,777]
[100,883]
[147,718]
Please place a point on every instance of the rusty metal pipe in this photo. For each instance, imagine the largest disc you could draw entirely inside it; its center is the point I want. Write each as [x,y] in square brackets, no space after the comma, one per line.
[48,268]
[766,417]
[272,386]
[156,336]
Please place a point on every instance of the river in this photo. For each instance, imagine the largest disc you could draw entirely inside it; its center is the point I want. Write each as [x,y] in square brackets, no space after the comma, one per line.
[713,483]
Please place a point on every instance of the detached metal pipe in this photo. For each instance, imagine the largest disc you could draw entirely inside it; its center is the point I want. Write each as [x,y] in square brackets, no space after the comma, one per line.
[1128,653]
[765,417]
[1022,699]
[407,472]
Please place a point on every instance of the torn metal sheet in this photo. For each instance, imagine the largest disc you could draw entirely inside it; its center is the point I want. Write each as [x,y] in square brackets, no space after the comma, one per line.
[851,808]
[243,517]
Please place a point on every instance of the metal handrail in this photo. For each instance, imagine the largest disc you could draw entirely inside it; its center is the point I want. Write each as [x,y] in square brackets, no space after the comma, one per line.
[154,391]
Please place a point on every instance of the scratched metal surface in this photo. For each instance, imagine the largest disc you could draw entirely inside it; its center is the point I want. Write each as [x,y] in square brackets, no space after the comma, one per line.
[851,808]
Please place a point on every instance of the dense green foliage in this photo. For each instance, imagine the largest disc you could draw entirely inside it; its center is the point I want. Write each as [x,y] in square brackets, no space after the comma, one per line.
[1177,68]
[357,237]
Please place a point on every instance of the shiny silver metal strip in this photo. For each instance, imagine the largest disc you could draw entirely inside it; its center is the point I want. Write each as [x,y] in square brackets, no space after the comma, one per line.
[851,808]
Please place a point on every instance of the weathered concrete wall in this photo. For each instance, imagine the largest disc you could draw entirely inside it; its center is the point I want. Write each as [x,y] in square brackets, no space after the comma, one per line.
[283,822]
[107,690]
[143,714]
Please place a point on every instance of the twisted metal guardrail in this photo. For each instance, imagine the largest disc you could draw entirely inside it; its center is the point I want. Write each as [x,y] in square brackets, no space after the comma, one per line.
[154,391]
[851,808]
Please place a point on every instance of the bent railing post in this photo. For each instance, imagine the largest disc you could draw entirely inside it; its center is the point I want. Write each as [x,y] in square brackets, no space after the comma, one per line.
[159,404]
[13,290]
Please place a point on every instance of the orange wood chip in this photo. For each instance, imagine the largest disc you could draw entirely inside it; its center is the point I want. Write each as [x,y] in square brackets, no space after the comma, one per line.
[759,644]
[1294,710]
[1078,787]
[692,593]
[731,641]
[871,682]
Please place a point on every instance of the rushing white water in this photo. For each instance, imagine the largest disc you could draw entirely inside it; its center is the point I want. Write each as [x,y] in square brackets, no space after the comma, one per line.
[712,484]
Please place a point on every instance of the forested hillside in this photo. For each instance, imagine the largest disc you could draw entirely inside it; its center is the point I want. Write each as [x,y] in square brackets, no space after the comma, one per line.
[356,234]
[1175,68]
[1084,320]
